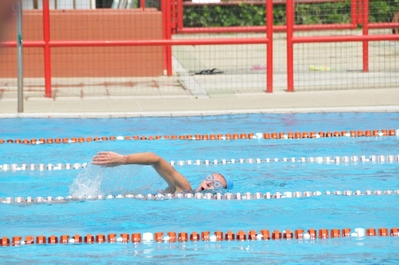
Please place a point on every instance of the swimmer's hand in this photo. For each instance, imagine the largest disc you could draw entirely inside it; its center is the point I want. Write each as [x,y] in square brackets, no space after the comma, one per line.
[109,159]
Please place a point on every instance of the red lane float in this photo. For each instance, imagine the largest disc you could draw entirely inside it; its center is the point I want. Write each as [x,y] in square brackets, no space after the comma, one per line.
[64,239]
[100,238]
[194,236]
[89,239]
[205,137]
[217,236]
[136,238]
[158,237]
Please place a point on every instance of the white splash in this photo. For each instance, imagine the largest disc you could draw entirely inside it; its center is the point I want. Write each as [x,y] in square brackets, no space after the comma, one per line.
[87,183]
[96,180]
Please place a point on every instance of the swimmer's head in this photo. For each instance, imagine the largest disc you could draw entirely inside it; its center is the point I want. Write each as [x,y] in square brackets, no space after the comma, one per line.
[216,181]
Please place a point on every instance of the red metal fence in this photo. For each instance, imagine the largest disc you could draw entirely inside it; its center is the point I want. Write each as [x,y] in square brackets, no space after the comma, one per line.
[172,27]
[360,15]
[179,27]
[47,44]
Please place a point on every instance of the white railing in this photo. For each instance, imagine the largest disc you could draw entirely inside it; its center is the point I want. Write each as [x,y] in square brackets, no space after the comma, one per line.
[60,4]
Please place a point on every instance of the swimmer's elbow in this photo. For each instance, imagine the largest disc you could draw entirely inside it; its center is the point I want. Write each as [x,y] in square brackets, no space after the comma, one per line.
[153,159]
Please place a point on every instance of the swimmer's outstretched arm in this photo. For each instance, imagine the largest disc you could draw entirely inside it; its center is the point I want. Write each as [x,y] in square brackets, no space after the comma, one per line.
[176,181]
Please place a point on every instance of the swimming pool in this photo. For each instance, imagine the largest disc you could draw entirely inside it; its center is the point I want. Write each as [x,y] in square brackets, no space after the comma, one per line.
[317,177]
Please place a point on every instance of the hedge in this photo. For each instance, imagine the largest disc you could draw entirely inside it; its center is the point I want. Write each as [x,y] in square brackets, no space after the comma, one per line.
[254,15]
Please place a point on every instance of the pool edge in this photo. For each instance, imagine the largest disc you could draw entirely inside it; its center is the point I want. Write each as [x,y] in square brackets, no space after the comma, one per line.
[197,112]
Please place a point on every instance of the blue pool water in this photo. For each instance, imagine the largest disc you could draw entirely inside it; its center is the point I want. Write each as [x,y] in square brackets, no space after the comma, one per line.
[188,215]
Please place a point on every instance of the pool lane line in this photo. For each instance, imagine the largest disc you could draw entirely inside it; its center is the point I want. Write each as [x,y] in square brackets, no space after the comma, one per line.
[373,159]
[206,236]
[42,167]
[205,137]
[196,195]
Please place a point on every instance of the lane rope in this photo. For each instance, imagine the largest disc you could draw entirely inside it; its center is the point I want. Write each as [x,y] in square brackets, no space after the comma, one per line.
[227,136]
[373,159]
[217,236]
[197,195]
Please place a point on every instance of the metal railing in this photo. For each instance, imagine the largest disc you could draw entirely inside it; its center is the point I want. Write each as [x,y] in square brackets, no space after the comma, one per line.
[47,44]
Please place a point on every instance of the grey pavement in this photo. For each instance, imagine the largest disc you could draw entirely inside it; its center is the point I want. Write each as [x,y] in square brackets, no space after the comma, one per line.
[123,106]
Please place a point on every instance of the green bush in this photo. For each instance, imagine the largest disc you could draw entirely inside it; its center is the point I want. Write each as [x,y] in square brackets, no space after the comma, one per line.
[254,15]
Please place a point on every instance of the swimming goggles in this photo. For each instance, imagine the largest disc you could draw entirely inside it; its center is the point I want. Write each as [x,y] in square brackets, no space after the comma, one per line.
[216,183]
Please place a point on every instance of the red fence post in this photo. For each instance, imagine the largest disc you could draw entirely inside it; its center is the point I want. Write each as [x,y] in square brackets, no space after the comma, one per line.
[168,36]
[179,15]
[365,25]
[47,51]
[354,13]
[173,17]
[163,9]
[290,7]
[269,63]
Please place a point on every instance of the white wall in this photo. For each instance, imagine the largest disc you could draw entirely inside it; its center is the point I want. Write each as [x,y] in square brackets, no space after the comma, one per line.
[61,4]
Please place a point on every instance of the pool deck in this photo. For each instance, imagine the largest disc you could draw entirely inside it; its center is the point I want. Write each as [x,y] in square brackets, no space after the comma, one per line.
[215,103]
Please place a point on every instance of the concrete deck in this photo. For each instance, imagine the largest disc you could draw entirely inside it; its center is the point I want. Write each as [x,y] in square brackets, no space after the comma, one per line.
[279,102]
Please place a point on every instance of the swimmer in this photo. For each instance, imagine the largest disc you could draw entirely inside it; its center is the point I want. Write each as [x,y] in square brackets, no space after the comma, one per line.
[6,14]
[176,181]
